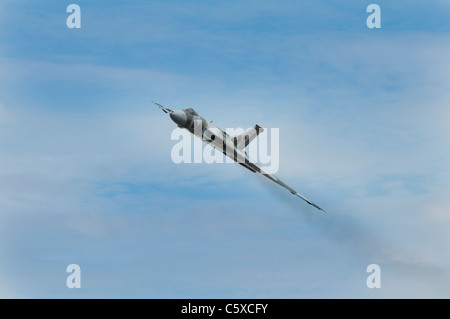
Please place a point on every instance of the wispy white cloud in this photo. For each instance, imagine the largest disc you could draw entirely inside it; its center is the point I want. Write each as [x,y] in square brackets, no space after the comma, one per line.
[5,115]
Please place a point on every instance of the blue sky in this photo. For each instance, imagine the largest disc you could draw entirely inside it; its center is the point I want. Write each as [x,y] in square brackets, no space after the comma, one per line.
[86,175]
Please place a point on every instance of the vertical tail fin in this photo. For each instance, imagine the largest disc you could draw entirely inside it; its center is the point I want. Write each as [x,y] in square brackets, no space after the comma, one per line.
[242,140]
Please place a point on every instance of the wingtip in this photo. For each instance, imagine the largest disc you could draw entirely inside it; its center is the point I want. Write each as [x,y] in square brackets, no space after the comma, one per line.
[318,208]
[308,201]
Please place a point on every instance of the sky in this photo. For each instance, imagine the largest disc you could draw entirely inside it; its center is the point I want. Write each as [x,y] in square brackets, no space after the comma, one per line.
[86,175]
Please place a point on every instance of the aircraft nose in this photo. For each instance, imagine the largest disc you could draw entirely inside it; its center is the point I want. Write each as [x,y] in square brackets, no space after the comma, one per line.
[179,117]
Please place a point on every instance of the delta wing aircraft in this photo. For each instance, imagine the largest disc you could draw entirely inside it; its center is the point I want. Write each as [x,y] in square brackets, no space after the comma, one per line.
[231,146]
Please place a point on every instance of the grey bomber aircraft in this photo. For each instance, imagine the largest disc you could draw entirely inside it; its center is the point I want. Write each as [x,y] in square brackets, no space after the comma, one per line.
[231,146]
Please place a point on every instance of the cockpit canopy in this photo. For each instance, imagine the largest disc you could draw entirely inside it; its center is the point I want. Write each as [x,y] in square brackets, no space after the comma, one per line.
[192,111]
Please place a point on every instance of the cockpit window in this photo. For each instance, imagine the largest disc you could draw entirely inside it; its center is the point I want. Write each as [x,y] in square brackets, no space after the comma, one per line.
[191,110]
